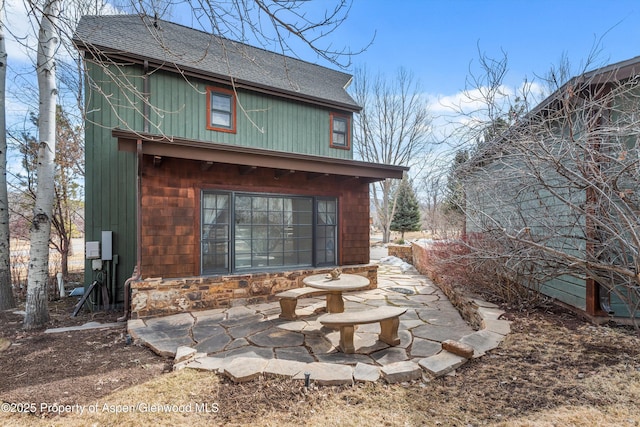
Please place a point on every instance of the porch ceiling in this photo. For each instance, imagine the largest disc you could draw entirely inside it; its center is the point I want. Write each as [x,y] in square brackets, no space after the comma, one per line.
[248,157]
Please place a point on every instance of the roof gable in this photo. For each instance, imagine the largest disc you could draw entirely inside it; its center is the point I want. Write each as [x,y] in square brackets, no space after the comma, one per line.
[174,46]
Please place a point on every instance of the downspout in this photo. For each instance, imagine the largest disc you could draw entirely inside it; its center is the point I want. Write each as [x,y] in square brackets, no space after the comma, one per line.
[137,271]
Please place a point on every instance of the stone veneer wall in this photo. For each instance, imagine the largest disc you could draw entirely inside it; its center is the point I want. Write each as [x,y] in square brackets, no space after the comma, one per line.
[160,297]
[423,262]
[403,252]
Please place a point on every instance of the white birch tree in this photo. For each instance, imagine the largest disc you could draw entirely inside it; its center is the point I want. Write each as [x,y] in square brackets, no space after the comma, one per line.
[37,314]
[6,293]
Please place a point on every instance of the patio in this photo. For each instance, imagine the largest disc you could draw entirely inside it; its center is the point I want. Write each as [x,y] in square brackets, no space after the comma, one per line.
[246,341]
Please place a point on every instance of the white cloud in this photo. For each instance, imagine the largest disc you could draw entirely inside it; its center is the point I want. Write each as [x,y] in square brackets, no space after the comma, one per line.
[454,114]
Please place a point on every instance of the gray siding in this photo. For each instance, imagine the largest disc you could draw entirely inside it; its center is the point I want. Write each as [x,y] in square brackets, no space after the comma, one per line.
[502,196]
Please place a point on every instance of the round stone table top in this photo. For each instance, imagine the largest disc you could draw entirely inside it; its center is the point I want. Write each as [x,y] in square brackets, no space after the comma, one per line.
[346,282]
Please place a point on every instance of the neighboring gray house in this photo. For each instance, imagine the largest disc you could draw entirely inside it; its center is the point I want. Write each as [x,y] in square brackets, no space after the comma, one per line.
[559,191]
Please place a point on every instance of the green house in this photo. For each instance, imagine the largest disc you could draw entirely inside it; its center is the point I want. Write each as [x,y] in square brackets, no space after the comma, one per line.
[223,171]
[556,196]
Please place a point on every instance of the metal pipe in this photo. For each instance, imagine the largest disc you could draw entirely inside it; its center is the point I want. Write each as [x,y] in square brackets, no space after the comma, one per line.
[127,290]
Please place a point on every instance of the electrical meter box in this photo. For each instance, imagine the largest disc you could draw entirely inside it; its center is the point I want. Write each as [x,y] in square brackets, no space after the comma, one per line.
[107,245]
[92,250]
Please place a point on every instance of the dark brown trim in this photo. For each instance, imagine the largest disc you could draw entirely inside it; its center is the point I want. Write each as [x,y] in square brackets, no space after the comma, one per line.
[592,297]
[210,126]
[593,302]
[159,145]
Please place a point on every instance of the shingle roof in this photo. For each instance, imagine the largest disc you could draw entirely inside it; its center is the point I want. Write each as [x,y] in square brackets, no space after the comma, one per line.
[174,45]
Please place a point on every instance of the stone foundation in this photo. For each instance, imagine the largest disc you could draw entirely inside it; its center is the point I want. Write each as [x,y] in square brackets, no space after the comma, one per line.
[161,297]
[403,252]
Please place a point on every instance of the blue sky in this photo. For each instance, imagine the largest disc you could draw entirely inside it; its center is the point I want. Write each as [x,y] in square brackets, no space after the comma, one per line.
[438,40]
[435,40]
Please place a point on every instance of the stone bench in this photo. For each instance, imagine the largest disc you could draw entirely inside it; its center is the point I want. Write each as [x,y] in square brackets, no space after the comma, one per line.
[389,318]
[289,300]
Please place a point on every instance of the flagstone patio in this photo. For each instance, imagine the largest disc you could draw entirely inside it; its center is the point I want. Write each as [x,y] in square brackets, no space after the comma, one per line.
[245,341]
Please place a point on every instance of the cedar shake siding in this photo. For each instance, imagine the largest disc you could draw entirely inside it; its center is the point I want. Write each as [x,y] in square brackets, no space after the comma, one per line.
[170,203]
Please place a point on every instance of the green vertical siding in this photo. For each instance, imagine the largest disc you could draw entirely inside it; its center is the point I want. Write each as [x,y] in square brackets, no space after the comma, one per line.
[262,121]
[113,99]
[110,181]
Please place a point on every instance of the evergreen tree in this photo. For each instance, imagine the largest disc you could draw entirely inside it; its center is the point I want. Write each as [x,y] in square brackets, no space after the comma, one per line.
[455,197]
[407,215]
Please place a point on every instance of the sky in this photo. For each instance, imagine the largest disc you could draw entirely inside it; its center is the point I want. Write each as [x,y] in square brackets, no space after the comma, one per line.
[438,41]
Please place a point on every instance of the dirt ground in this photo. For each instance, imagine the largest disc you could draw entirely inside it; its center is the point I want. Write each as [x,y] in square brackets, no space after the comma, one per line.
[551,360]
[69,367]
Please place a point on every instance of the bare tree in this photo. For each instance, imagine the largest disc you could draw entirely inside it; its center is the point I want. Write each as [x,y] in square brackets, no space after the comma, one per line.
[393,128]
[69,166]
[554,197]
[69,171]
[6,292]
[289,26]
[431,186]
[439,219]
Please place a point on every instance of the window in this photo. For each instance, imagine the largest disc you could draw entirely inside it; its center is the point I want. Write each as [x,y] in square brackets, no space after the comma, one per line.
[242,231]
[221,107]
[340,131]
[326,231]
[215,232]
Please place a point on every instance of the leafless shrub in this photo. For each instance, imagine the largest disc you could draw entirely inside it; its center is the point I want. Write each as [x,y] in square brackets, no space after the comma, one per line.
[553,189]
[477,263]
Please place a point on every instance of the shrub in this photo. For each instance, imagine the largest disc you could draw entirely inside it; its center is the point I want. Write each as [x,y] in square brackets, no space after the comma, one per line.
[472,263]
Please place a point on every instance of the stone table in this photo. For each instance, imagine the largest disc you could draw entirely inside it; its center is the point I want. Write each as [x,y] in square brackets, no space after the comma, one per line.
[345,282]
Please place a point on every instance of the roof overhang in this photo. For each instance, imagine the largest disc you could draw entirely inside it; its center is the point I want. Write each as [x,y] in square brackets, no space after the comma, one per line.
[210,152]
[184,70]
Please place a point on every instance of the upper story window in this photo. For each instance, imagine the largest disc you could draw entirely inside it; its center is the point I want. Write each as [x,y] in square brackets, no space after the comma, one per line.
[221,108]
[340,131]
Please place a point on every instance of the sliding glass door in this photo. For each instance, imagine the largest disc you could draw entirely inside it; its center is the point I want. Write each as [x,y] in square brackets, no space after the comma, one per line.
[243,231]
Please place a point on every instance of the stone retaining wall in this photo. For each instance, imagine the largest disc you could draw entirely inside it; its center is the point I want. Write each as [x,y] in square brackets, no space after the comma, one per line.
[403,252]
[160,297]
[468,308]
